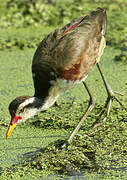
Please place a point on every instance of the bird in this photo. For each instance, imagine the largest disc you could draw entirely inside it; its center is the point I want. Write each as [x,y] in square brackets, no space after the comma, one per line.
[63,59]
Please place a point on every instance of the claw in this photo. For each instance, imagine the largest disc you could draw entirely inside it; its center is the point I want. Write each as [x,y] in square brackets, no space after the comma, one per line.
[111,97]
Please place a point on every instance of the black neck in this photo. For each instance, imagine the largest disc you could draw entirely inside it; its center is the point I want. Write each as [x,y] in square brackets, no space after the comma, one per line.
[43,80]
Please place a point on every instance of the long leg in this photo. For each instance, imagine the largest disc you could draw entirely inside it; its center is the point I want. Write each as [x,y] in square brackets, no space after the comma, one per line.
[89,109]
[111,94]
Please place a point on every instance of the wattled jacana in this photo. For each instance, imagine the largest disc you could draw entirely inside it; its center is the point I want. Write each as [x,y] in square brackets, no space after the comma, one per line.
[63,59]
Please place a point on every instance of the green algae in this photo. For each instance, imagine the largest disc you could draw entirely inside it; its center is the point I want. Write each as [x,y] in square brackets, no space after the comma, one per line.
[93,153]
[91,150]
[100,150]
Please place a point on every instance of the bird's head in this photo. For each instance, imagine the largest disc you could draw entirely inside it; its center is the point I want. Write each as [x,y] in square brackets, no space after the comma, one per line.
[21,109]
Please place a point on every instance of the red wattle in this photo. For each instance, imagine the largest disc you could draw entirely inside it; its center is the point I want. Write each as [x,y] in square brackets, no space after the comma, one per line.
[15,119]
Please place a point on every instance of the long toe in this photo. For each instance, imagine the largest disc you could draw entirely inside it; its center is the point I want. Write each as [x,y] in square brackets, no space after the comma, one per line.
[111,96]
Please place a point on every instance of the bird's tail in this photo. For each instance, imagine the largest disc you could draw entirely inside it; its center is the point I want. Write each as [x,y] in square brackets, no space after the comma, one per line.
[100,16]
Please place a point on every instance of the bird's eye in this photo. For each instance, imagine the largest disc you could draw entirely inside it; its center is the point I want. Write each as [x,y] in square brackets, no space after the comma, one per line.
[21,110]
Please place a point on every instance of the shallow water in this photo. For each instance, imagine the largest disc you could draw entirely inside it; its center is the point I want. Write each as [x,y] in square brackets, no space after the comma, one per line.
[16,80]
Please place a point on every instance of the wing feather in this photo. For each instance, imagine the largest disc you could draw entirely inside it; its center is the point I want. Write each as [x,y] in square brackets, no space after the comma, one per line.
[71,51]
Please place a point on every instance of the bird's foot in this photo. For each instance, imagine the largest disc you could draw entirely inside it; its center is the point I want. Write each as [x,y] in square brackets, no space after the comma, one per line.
[111,96]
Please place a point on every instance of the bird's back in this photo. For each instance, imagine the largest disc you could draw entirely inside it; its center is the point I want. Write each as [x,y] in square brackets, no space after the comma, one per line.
[70,52]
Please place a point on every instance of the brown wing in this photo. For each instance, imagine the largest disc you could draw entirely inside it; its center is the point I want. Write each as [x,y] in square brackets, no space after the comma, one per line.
[70,52]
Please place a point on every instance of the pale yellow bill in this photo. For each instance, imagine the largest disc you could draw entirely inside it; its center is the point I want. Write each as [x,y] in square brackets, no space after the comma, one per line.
[10,129]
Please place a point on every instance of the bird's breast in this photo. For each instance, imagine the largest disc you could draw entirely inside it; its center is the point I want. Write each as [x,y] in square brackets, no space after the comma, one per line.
[58,87]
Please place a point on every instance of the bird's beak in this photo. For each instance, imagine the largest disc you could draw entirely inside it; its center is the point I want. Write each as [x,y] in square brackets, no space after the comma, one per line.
[10,129]
[14,122]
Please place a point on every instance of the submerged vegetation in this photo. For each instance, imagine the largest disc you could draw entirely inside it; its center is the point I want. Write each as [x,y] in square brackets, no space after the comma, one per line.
[95,152]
